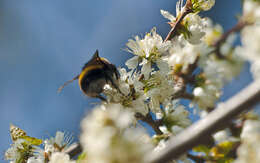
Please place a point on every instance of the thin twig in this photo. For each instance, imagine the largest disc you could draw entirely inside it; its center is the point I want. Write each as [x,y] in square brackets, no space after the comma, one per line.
[176,24]
[183,94]
[155,124]
[187,96]
[182,79]
[219,118]
[239,26]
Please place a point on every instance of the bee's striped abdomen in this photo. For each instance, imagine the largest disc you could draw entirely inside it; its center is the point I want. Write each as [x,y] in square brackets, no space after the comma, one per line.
[92,80]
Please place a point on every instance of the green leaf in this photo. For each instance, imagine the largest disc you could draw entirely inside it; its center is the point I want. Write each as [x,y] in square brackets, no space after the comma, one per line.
[82,157]
[200,80]
[177,68]
[201,148]
[157,138]
[221,149]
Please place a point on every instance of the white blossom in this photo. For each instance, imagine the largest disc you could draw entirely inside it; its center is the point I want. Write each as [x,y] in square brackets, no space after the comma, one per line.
[13,153]
[106,136]
[205,4]
[128,82]
[149,50]
[146,68]
[168,15]
[216,73]
[221,71]
[159,90]
[177,117]
[196,25]
[206,96]
[250,49]
[35,160]
[193,22]
[250,148]
[212,32]
[59,157]
[132,62]
[251,11]
[109,132]
[251,127]
[58,143]
[182,54]
[150,47]
[224,135]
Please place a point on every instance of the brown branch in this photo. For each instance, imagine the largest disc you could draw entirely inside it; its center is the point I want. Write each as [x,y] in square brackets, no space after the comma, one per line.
[233,152]
[239,26]
[182,79]
[155,124]
[219,118]
[187,9]
[187,96]
[188,77]
[184,95]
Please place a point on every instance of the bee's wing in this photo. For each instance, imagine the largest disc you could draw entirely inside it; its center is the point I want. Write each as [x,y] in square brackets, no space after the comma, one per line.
[66,83]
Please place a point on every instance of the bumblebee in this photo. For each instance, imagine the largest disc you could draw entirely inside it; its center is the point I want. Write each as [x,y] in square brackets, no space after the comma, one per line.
[95,74]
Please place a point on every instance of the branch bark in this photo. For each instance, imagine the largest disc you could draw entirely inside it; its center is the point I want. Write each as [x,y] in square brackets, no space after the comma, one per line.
[187,9]
[155,124]
[219,118]
[239,26]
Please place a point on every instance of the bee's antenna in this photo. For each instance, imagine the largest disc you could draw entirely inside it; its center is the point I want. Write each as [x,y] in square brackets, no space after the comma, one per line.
[66,83]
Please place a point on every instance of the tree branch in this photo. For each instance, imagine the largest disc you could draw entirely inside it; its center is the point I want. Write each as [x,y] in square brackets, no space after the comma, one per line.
[219,118]
[184,95]
[239,26]
[155,124]
[175,25]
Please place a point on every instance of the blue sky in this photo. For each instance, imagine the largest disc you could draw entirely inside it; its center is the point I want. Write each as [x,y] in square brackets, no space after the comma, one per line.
[44,43]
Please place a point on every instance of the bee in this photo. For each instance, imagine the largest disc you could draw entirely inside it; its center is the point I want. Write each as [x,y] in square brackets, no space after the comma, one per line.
[95,74]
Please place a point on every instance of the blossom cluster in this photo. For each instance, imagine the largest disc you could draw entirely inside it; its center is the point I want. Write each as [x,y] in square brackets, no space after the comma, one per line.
[189,64]
[250,48]
[108,136]
[249,150]
[28,149]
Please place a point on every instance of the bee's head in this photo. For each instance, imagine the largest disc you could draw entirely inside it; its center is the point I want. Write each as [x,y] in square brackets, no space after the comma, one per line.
[96,55]
[96,60]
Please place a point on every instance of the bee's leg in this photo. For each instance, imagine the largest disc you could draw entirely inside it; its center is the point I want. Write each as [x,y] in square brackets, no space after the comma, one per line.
[101,98]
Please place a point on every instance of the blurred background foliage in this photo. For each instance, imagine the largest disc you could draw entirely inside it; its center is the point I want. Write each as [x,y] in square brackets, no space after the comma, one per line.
[44,43]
